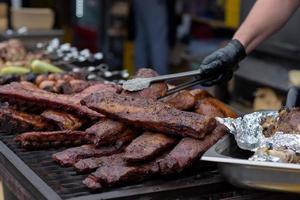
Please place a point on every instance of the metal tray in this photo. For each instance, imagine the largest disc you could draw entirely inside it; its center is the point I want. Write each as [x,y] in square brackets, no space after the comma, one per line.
[239,171]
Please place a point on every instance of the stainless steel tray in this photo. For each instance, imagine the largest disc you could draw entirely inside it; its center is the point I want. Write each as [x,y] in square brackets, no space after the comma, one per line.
[239,171]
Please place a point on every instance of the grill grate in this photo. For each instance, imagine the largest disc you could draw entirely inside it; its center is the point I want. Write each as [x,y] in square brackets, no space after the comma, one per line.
[202,181]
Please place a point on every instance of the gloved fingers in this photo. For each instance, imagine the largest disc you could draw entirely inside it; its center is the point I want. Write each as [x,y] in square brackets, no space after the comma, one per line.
[212,57]
[218,80]
[212,68]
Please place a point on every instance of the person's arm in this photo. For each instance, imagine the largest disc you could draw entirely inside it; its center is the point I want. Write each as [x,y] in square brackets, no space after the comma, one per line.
[265,18]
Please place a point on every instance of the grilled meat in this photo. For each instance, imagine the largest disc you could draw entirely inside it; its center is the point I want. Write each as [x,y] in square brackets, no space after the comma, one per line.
[113,170]
[148,146]
[287,121]
[213,108]
[40,140]
[13,122]
[106,131]
[200,94]
[29,95]
[182,100]
[188,150]
[150,115]
[63,120]
[70,156]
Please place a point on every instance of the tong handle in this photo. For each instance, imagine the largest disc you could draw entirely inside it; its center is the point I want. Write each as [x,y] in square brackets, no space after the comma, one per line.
[176,75]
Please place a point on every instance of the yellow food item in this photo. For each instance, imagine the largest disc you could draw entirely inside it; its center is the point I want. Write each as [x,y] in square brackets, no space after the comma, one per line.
[38,66]
[13,70]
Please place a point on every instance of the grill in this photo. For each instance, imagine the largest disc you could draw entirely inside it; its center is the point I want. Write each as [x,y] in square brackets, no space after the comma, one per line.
[33,175]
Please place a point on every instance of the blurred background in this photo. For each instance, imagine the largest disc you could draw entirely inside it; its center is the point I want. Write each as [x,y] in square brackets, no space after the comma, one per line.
[167,35]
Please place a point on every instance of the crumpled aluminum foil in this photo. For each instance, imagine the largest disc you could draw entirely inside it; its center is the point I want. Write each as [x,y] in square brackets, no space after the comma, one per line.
[249,135]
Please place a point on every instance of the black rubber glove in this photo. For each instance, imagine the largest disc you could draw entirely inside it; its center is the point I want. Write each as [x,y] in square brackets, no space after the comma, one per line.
[219,66]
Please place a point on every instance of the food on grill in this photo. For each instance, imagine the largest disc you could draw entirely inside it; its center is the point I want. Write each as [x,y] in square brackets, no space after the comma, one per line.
[63,120]
[70,156]
[188,150]
[16,92]
[13,122]
[154,91]
[182,100]
[61,83]
[40,140]
[106,131]
[114,171]
[150,115]
[213,108]
[147,146]
[287,121]
[200,94]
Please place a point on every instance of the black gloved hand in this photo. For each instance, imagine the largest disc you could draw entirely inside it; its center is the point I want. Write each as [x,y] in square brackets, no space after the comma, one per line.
[219,66]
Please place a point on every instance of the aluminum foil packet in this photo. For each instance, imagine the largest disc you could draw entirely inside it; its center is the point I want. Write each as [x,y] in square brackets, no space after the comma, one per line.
[248,133]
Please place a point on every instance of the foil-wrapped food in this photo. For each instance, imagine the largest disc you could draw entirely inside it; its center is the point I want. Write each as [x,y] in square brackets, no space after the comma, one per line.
[273,136]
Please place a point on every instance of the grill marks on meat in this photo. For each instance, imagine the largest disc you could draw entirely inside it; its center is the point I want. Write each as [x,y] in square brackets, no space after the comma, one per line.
[150,115]
[70,156]
[63,120]
[13,122]
[188,150]
[105,131]
[39,140]
[182,100]
[147,146]
[20,93]
[114,171]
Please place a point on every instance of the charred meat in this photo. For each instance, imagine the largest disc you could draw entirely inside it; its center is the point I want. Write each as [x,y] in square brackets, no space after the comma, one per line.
[150,115]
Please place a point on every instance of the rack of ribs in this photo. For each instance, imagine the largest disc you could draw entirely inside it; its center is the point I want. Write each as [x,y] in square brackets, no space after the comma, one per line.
[13,122]
[105,131]
[41,140]
[65,121]
[21,93]
[150,115]
[114,171]
[182,100]
[148,146]
[188,150]
[70,156]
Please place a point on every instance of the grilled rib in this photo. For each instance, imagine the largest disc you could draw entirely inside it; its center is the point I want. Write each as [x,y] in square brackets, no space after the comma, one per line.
[150,115]
[20,93]
[70,156]
[13,122]
[114,171]
[182,100]
[39,140]
[63,120]
[105,131]
[213,108]
[188,150]
[147,146]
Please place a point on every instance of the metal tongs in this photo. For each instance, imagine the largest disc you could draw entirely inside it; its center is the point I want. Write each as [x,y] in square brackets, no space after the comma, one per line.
[137,84]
